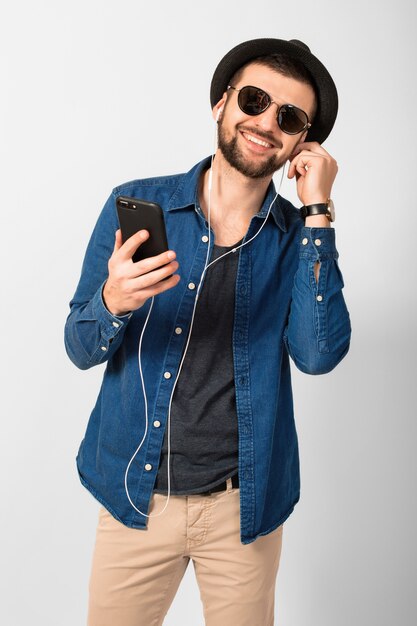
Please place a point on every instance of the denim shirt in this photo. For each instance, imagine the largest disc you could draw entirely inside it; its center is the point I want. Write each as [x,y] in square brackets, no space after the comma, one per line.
[281,311]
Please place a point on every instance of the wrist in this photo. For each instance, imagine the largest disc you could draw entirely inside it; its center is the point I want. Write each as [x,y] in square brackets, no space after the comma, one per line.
[316,200]
[317,221]
[107,301]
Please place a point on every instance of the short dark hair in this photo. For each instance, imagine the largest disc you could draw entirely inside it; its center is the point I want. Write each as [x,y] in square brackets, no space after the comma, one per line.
[285,65]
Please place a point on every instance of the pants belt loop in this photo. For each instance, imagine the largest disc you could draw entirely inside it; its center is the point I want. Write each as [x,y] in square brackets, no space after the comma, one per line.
[229,485]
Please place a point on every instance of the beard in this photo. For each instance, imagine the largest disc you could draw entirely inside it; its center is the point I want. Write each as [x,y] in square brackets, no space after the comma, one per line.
[235,158]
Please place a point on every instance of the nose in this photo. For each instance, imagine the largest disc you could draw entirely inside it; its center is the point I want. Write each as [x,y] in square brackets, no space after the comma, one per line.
[268,119]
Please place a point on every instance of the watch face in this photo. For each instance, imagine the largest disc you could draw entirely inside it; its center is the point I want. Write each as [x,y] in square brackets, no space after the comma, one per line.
[331,209]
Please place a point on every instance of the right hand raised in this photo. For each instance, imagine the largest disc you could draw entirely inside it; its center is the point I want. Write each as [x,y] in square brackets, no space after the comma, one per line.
[130,284]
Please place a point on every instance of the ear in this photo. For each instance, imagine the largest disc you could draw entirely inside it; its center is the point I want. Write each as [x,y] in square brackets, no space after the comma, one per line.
[219,106]
[303,137]
[300,140]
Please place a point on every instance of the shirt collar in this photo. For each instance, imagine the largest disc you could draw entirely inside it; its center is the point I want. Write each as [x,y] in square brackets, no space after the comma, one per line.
[186,195]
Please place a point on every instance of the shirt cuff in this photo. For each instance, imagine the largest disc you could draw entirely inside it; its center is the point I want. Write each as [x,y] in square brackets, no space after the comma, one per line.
[110,325]
[318,243]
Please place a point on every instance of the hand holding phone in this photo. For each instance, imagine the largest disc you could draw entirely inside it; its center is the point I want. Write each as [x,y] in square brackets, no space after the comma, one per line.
[131,283]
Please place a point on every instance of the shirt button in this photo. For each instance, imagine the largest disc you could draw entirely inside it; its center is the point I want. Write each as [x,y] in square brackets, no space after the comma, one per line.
[317,242]
[157,423]
[305,241]
[104,348]
[167,375]
[319,298]
[204,238]
[178,330]
[116,324]
[191,286]
[148,467]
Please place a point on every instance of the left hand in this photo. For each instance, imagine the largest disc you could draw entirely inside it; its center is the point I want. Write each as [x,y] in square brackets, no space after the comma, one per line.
[315,171]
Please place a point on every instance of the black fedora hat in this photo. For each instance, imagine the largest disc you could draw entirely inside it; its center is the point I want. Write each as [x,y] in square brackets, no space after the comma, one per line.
[326,92]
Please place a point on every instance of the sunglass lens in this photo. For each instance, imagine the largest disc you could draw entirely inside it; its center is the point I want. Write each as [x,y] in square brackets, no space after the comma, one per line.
[253,101]
[291,119]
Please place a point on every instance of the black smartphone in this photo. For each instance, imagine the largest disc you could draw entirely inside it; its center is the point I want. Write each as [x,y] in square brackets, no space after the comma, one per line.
[135,214]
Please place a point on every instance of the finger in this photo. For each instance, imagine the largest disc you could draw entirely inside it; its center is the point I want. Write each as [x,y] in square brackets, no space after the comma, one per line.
[311,146]
[152,263]
[307,154]
[130,246]
[161,286]
[292,170]
[302,159]
[151,278]
[301,170]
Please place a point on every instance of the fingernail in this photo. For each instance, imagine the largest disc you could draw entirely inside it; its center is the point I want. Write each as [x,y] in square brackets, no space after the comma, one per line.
[171,254]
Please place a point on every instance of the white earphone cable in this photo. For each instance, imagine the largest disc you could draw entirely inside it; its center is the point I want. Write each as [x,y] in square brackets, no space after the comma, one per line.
[206,266]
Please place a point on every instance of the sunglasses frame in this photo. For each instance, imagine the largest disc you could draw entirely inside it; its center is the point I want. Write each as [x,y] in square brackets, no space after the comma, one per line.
[307,125]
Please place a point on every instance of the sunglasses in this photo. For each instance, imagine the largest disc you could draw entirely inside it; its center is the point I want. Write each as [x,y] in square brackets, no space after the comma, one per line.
[254,101]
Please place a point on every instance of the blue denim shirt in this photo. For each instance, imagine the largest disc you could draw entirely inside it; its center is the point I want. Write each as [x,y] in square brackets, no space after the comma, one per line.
[280,311]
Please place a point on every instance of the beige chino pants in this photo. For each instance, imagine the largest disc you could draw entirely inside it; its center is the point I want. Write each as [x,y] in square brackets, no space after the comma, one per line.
[136,573]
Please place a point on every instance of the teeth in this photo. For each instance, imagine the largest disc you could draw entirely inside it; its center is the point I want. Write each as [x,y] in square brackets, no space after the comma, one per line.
[258,141]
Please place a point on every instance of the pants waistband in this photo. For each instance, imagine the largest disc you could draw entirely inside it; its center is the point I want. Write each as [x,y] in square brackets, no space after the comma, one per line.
[222,486]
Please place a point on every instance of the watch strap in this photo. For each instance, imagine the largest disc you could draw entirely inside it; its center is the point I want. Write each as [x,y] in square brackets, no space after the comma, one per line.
[320,208]
[314,209]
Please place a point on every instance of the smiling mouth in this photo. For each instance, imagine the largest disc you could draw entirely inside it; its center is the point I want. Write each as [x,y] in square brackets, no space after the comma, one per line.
[256,140]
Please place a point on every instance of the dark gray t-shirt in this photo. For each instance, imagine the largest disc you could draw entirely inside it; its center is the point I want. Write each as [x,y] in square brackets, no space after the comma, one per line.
[204,433]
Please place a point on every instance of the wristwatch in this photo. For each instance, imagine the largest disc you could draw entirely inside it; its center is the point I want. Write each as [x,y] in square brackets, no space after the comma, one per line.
[323,208]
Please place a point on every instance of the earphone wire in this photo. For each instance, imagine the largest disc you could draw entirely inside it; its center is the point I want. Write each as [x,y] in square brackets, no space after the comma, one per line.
[206,266]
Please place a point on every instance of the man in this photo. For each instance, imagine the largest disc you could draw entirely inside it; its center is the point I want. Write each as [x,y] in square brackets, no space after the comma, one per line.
[211,425]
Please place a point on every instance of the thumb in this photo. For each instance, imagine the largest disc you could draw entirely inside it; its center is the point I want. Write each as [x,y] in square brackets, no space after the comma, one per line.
[118,240]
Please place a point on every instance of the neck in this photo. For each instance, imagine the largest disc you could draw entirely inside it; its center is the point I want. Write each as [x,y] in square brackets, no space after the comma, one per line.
[235,198]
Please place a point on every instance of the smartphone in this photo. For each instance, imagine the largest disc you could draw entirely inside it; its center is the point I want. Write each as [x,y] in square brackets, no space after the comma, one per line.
[135,214]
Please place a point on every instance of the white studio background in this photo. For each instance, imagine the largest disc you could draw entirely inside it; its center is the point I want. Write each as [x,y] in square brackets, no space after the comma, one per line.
[96,93]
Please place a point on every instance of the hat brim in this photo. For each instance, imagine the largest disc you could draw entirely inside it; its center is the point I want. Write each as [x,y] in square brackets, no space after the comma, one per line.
[327,105]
